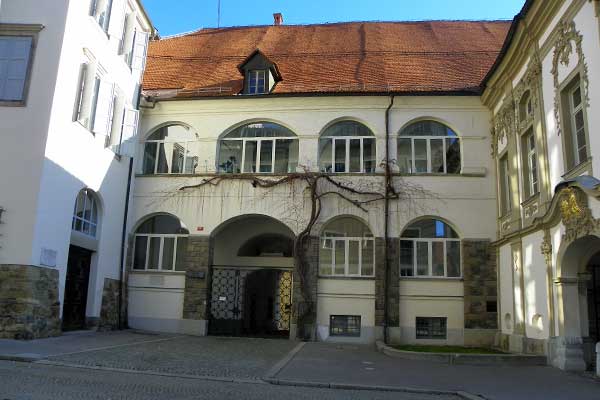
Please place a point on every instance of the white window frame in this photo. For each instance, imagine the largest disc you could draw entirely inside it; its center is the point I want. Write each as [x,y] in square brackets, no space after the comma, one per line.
[428,141]
[347,139]
[162,237]
[259,141]
[430,242]
[96,13]
[361,245]
[85,193]
[253,79]
[532,164]
[163,142]
[573,110]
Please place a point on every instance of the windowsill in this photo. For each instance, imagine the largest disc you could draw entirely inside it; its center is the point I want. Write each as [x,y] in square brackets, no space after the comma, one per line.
[340,174]
[11,103]
[530,199]
[432,278]
[577,170]
[100,29]
[155,272]
[349,278]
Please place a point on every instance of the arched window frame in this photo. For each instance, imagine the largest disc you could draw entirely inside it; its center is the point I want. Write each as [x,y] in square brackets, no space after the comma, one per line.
[334,240]
[154,244]
[86,213]
[413,247]
[344,143]
[415,164]
[183,161]
[260,143]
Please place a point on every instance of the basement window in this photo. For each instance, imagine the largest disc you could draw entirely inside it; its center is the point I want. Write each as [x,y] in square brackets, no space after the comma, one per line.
[431,327]
[344,325]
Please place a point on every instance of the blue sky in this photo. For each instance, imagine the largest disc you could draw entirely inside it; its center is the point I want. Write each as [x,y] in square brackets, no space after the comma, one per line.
[178,16]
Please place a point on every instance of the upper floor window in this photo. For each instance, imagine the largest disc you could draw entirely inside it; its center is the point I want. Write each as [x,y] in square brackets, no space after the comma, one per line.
[530,164]
[428,147]
[15,58]
[576,146]
[430,248]
[172,149]
[160,244]
[505,187]
[347,249]
[85,214]
[257,81]
[101,10]
[525,107]
[259,147]
[347,146]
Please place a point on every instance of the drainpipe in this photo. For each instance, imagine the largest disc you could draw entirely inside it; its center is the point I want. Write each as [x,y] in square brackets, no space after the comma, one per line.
[388,184]
[123,243]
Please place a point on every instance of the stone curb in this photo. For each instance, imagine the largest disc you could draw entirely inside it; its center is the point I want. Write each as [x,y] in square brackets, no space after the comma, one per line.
[465,359]
[378,388]
[27,358]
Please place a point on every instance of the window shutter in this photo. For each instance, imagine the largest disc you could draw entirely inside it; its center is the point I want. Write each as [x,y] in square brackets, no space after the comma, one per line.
[103,108]
[115,27]
[138,61]
[93,7]
[77,111]
[14,63]
[128,132]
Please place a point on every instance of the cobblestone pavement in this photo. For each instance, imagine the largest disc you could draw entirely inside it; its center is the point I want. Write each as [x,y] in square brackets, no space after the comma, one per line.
[22,381]
[244,358]
[326,362]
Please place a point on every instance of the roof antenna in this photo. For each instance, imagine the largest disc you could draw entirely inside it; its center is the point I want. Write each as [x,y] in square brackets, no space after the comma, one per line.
[218,13]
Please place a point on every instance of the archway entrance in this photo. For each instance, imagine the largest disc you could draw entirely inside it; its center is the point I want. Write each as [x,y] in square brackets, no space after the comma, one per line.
[251,278]
[593,300]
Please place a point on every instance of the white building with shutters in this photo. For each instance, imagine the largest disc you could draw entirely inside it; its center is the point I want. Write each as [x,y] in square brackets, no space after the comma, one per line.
[70,73]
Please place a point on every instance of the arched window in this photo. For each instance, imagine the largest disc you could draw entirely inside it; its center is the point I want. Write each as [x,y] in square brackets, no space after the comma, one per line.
[85,214]
[172,149]
[160,244]
[430,247]
[525,107]
[428,147]
[347,249]
[259,147]
[347,146]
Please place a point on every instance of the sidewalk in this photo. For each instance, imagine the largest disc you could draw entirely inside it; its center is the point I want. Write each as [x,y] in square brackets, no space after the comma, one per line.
[362,365]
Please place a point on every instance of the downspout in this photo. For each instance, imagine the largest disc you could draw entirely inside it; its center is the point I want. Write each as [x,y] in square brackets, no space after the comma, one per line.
[123,244]
[388,185]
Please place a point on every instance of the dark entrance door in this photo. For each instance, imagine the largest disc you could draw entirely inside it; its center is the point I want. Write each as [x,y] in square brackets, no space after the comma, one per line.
[250,302]
[593,299]
[76,288]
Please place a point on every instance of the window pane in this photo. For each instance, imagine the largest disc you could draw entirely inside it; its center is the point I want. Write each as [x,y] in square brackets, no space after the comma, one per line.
[453,258]
[422,258]
[266,156]
[139,253]
[437,254]
[577,97]
[286,156]
[368,259]
[437,155]
[180,256]
[354,155]
[340,257]
[162,167]
[149,158]
[353,264]
[340,156]
[325,163]
[167,257]
[369,158]
[325,257]
[420,155]
[452,156]
[250,156]
[230,156]
[153,256]
[405,155]
[407,258]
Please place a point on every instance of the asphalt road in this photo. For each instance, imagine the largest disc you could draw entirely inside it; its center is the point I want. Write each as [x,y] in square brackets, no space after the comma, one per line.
[26,381]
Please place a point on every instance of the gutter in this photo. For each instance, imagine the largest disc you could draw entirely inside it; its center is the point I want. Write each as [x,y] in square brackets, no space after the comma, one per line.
[388,184]
[123,244]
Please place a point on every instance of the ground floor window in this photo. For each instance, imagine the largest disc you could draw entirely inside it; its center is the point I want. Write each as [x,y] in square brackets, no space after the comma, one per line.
[431,328]
[160,244]
[344,325]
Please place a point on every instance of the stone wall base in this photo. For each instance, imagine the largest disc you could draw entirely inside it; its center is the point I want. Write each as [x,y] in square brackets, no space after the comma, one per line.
[566,353]
[109,312]
[480,337]
[29,306]
[194,327]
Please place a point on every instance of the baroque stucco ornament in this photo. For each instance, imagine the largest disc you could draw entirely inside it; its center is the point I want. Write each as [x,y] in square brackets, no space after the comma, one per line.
[503,124]
[531,83]
[576,216]
[546,248]
[567,35]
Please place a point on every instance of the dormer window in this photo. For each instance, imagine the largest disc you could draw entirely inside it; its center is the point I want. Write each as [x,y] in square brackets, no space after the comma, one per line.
[257,81]
[260,74]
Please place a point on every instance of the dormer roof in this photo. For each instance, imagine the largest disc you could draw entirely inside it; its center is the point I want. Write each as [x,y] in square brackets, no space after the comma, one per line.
[258,60]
